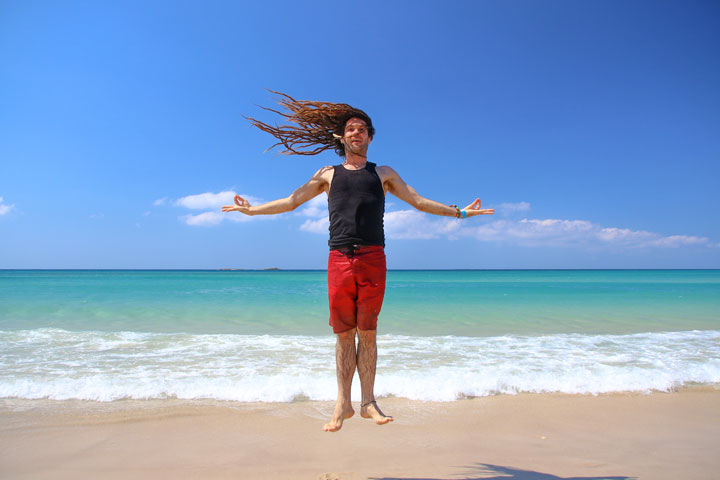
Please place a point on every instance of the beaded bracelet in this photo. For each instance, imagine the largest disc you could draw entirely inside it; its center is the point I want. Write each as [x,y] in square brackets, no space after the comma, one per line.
[459,213]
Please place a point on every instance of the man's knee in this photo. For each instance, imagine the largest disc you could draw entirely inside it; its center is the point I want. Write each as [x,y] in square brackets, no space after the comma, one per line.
[346,336]
[365,336]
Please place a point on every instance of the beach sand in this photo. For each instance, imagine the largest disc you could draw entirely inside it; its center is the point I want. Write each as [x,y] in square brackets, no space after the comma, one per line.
[521,437]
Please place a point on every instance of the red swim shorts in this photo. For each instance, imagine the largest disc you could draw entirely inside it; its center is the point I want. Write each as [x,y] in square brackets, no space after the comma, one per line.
[356,287]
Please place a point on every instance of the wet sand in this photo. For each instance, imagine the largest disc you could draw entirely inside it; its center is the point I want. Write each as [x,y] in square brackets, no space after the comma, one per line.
[521,437]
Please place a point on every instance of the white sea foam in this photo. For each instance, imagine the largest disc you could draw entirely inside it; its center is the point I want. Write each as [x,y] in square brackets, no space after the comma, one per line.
[60,364]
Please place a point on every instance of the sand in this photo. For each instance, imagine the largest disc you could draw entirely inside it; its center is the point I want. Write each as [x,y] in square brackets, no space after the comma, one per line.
[522,437]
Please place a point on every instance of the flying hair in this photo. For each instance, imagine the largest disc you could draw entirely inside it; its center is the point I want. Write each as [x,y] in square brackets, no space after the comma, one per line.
[318,126]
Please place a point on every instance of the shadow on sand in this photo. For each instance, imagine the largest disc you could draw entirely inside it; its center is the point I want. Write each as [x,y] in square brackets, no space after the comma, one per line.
[485,471]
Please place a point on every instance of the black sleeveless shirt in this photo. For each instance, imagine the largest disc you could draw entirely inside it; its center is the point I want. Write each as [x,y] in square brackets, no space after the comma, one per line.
[356,203]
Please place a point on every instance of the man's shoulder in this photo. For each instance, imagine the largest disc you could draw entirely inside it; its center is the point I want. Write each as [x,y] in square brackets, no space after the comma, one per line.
[324,173]
[385,170]
[386,173]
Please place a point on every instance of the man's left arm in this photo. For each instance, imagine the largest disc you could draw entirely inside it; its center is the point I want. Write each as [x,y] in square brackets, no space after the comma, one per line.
[395,185]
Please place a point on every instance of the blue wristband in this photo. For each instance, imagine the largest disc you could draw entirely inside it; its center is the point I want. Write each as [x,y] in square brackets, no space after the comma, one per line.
[463,213]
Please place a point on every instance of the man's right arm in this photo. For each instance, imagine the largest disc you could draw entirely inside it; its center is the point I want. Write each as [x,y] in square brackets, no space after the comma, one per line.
[315,186]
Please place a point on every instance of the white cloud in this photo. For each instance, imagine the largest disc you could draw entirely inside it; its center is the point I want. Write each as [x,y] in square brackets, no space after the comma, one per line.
[624,235]
[315,208]
[5,208]
[549,232]
[415,225]
[510,208]
[204,219]
[550,228]
[208,200]
[532,231]
[412,224]
[319,225]
[555,232]
[212,218]
[674,241]
[213,201]
[160,201]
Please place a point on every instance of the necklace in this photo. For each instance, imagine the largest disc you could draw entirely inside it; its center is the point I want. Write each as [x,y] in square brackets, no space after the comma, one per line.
[352,166]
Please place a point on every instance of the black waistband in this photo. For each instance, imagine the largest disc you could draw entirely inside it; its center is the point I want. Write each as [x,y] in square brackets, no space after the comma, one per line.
[352,248]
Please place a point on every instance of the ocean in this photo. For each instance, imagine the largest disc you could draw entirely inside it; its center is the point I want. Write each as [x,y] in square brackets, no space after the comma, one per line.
[263,336]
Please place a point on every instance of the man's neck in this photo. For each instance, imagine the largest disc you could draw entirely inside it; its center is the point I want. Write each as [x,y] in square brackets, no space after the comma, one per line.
[355,161]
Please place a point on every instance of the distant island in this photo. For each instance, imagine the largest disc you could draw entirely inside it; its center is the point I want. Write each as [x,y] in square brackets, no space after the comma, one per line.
[245,269]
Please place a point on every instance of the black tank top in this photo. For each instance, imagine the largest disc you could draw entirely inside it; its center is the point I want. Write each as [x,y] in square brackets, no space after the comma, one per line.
[356,203]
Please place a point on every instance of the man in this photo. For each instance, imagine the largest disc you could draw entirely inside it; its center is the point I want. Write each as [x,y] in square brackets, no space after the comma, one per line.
[356,202]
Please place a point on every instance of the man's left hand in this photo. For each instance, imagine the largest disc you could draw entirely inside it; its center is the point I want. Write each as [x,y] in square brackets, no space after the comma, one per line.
[474,209]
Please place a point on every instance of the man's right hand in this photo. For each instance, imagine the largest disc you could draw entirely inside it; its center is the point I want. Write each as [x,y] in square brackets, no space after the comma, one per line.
[241,205]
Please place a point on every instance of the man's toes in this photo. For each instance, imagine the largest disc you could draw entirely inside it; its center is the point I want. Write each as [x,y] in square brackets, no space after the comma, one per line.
[332,427]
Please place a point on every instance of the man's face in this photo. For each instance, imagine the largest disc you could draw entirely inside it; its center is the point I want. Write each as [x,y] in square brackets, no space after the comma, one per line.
[356,136]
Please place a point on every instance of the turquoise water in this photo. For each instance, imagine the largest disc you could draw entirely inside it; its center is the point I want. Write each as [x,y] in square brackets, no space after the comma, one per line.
[468,303]
[443,335]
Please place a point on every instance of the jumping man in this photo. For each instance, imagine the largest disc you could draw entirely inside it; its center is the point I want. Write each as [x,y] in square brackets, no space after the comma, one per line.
[356,192]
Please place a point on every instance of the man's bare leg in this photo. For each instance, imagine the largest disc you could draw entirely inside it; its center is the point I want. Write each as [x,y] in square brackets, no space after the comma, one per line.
[366,363]
[345,360]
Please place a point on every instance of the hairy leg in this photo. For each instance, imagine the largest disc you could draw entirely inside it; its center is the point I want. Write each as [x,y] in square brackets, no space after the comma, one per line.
[345,360]
[366,364]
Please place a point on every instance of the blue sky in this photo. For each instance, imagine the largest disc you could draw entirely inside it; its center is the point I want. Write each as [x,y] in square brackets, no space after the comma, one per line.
[592,127]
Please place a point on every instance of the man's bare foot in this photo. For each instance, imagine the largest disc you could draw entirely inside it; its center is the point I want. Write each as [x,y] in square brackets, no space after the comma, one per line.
[371,410]
[342,413]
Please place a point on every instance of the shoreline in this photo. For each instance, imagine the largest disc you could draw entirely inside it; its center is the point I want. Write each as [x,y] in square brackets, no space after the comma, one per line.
[523,436]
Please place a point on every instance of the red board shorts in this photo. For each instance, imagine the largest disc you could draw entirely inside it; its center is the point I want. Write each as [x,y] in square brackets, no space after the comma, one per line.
[356,287]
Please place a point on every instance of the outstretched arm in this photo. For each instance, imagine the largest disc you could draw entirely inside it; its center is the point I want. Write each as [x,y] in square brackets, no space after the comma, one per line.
[405,192]
[314,187]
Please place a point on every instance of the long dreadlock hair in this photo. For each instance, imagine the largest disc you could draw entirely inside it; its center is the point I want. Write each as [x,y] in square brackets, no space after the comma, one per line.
[318,125]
